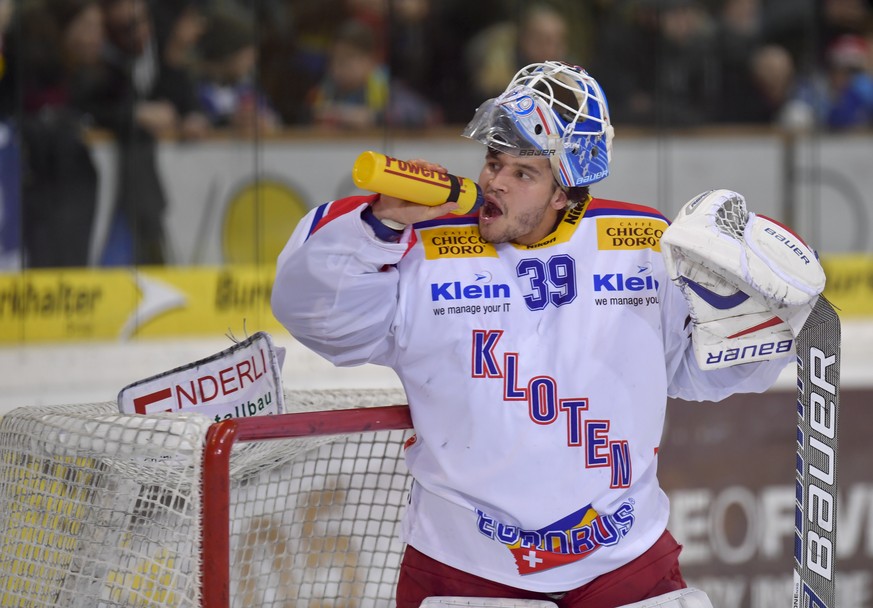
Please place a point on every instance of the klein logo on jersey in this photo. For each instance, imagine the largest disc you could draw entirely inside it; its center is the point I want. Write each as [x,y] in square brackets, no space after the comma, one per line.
[456,242]
[629,233]
[565,541]
[617,284]
[480,289]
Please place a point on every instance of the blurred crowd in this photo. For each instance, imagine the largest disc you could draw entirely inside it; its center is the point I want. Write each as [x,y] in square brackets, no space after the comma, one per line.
[188,66]
[144,70]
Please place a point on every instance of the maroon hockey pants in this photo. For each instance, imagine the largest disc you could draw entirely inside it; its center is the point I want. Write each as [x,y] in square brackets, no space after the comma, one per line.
[653,573]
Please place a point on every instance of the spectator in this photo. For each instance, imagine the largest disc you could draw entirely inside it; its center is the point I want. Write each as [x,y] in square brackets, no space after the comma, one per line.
[59,46]
[10,200]
[9,107]
[627,36]
[850,83]
[774,84]
[660,65]
[791,24]
[294,45]
[414,45]
[374,15]
[839,18]
[59,50]
[739,34]
[139,106]
[227,90]
[424,52]
[841,98]
[356,91]
[179,25]
[6,10]
[495,54]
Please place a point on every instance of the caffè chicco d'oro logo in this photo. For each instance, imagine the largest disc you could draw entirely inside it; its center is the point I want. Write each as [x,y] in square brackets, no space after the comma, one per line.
[456,242]
[629,233]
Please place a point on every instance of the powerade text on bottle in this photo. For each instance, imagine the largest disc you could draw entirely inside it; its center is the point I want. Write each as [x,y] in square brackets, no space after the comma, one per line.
[398,178]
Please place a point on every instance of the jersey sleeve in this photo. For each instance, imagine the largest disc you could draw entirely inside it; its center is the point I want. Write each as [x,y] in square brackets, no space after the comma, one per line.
[686,380]
[336,285]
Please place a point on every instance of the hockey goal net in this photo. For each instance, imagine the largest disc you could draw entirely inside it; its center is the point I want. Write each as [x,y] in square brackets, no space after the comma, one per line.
[100,509]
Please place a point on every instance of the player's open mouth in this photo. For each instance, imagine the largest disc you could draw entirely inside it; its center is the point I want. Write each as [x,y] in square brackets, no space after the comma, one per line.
[490,211]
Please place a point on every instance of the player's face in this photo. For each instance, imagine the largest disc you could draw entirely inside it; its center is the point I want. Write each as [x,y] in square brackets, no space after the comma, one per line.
[522,200]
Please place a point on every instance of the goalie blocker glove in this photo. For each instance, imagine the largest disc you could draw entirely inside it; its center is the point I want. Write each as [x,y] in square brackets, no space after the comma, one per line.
[750,282]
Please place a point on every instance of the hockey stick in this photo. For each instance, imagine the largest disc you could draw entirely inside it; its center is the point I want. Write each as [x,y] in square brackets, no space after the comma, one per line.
[815,516]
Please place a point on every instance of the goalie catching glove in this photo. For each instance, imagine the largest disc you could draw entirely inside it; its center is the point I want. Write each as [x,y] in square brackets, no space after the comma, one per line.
[750,282]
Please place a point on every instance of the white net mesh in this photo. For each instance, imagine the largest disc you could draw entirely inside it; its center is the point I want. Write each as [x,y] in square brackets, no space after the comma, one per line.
[732,217]
[103,509]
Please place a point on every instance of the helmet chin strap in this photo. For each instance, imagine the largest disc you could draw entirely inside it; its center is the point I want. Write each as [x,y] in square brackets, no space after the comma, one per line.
[555,144]
[610,133]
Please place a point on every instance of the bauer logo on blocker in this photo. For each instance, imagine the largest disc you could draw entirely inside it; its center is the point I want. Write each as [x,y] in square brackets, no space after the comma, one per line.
[792,243]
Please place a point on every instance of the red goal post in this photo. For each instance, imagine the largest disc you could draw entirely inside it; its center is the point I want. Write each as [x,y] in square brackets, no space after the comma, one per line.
[220,439]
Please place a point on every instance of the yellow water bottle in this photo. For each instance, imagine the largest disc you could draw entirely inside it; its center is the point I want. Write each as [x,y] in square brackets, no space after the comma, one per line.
[401,179]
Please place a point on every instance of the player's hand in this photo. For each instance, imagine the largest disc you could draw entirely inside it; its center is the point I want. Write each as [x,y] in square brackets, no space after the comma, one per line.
[157,117]
[405,212]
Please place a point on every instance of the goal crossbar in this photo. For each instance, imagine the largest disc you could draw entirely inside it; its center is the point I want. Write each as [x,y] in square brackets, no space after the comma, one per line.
[216,483]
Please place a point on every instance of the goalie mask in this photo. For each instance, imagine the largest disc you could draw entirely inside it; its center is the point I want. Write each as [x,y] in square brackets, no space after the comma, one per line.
[555,110]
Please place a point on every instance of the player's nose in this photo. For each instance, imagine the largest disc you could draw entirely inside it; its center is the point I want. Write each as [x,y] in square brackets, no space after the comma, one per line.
[496,182]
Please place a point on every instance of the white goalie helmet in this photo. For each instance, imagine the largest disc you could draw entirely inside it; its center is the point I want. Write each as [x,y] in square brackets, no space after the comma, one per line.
[555,110]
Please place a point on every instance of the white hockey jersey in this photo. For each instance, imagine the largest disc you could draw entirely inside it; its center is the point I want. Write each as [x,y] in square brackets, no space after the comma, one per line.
[537,377]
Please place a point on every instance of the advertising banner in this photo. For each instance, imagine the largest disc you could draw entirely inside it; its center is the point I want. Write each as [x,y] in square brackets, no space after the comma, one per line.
[83,304]
[239,382]
[120,304]
[729,471]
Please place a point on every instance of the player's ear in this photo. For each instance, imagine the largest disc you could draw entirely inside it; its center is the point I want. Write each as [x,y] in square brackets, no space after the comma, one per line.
[559,200]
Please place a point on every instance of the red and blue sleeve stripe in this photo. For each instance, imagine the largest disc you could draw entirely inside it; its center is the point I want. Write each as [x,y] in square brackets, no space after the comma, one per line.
[599,207]
[328,212]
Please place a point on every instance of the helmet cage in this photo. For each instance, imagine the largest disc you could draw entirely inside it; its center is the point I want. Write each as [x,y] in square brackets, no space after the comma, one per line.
[554,110]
